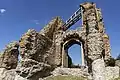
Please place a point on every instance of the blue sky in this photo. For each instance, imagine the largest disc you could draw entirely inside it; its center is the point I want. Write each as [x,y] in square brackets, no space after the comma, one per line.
[20,15]
[75,53]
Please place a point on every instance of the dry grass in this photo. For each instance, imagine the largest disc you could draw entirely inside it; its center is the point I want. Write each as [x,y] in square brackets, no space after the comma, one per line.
[65,78]
[117,78]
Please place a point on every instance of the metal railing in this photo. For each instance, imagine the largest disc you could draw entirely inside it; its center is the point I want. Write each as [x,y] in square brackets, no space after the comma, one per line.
[72,20]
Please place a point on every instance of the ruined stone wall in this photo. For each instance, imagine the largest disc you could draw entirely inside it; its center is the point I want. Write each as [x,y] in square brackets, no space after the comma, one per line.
[107,49]
[58,47]
[9,57]
[39,51]
[101,29]
[53,26]
[42,52]
[34,45]
[94,41]
[94,38]
[100,22]
[54,32]
[69,38]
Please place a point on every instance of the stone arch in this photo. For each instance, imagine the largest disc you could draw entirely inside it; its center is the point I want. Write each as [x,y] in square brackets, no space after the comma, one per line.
[70,38]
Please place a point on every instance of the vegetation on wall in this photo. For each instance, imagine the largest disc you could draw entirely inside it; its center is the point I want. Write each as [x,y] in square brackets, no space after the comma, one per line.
[110,62]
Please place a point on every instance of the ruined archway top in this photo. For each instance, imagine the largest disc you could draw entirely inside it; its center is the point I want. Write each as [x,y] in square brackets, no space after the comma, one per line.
[74,34]
[71,42]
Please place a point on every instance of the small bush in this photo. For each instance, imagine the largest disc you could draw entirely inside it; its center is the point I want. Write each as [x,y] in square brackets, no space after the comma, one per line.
[118,57]
[110,62]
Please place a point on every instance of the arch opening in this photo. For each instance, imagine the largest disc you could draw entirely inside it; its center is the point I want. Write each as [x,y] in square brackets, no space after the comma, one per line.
[72,54]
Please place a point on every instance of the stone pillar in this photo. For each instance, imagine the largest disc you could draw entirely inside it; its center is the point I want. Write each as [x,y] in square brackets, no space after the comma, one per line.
[82,55]
[64,58]
[94,37]
[58,47]
[98,69]
[94,41]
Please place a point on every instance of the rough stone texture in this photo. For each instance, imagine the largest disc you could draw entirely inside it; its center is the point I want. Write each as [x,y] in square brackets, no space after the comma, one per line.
[112,72]
[18,77]
[58,47]
[71,71]
[107,49]
[10,75]
[101,29]
[71,37]
[100,21]
[98,69]
[34,70]
[117,63]
[37,51]
[9,57]
[94,40]
[65,77]
[34,46]
[53,26]
[7,74]
[54,32]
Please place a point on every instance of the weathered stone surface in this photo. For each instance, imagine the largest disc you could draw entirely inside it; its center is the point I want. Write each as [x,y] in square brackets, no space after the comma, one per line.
[34,45]
[94,42]
[65,77]
[10,75]
[33,70]
[53,26]
[54,32]
[9,58]
[69,38]
[95,46]
[117,63]
[107,49]
[18,77]
[37,52]
[98,69]
[7,74]
[100,21]
[112,72]
[71,71]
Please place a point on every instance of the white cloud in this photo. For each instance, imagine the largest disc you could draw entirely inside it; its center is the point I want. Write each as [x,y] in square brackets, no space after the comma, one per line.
[2,11]
[36,21]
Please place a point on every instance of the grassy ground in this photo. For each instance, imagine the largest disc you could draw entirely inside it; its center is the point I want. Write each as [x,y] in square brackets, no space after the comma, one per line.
[117,78]
[65,78]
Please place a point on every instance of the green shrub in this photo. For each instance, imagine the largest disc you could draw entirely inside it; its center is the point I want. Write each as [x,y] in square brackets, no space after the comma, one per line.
[110,62]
